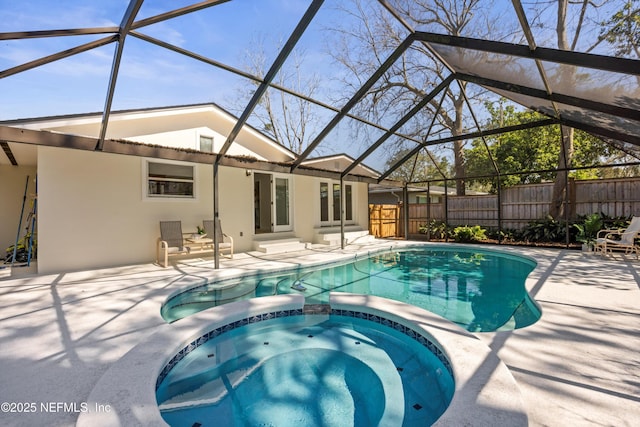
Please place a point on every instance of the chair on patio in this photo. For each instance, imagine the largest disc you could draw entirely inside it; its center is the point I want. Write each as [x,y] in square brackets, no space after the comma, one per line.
[621,240]
[225,242]
[170,242]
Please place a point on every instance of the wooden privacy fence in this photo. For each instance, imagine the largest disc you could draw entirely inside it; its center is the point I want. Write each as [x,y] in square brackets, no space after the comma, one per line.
[520,205]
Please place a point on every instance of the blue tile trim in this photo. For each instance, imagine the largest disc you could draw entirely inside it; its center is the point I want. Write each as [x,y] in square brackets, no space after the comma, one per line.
[416,335]
[298,312]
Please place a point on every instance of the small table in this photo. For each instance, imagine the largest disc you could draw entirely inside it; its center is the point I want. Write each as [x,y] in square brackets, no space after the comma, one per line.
[199,244]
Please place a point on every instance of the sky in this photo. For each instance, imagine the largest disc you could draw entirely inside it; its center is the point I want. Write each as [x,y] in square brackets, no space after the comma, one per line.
[151,76]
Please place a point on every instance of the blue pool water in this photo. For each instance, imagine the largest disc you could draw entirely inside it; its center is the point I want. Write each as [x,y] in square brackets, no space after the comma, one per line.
[307,370]
[481,290]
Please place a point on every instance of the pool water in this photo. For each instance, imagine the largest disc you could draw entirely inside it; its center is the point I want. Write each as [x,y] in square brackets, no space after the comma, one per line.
[481,290]
[309,370]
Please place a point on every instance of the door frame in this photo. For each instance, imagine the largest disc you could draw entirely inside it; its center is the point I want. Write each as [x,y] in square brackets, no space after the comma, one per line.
[266,211]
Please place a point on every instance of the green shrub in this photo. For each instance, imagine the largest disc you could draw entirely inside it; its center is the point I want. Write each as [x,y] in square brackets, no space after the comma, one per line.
[615,222]
[545,230]
[469,234]
[505,235]
[437,229]
[588,229]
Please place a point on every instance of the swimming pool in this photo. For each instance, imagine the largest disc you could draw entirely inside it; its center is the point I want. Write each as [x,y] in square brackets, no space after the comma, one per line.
[345,369]
[480,290]
[485,390]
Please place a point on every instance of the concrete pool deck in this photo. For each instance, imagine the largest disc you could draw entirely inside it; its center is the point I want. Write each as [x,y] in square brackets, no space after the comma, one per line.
[578,365]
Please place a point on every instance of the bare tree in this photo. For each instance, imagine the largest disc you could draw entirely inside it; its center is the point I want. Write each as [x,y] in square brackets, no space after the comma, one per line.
[414,75]
[290,119]
[568,39]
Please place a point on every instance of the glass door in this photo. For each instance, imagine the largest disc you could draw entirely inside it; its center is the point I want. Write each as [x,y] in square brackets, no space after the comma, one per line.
[282,211]
[331,198]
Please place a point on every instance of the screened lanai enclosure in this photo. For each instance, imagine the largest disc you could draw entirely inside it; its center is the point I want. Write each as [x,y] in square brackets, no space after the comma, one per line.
[469,95]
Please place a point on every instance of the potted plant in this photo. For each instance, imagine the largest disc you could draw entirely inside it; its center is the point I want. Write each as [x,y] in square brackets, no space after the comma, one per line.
[199,234]
[588,231]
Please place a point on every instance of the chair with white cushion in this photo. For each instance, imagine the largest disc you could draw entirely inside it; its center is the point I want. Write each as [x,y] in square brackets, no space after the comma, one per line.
[621,239]
[170,242]
[225,242]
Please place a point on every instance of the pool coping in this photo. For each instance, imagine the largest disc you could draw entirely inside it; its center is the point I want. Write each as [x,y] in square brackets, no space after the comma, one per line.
[485,391]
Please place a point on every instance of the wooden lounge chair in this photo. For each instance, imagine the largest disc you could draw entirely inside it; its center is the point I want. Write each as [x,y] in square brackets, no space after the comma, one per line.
[619,240]
[225,242]
[170,241]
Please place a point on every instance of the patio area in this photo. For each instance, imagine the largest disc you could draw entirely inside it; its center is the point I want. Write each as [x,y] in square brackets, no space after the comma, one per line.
[578,365]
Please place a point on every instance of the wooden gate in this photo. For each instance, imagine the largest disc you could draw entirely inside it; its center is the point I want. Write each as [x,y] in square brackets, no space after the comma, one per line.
[384,220]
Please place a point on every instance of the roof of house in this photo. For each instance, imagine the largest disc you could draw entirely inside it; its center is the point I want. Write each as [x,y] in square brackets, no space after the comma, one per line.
[155,126]
[147,124]
[338,163]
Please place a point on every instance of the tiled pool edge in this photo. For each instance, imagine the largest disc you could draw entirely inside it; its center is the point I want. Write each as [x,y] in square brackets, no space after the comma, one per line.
[486,393]
[400,327]
[197,342]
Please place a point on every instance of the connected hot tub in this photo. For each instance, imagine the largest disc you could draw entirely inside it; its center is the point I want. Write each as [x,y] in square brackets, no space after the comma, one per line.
[287,368]
[395,340]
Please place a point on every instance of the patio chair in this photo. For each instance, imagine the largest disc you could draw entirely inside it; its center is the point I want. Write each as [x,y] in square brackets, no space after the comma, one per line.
[225,242]
[170,242]
[621,239]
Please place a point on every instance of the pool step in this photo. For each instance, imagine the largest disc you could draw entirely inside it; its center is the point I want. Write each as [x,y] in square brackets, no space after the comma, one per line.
[352,234]
[279,245]
[316,309]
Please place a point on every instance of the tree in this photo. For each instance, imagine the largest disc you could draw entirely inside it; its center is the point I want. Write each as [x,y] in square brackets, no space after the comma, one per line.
[421,168]
[534,150]
[622,30]
[365,45]
[291,120]
[567,41]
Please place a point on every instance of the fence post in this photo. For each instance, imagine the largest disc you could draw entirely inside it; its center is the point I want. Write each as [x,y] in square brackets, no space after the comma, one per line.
[428,210]
[499,211]
[572,197]
[405,202]
[446,211]
[567,238]
[398,214]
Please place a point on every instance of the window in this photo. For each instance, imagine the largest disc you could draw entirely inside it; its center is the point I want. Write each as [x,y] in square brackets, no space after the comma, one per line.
[423,199]
[336,202]
[206,143]
[330,206]
[324,202]
[170,180]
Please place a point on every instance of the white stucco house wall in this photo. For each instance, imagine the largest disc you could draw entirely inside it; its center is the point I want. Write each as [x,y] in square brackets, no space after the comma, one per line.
[102,208]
